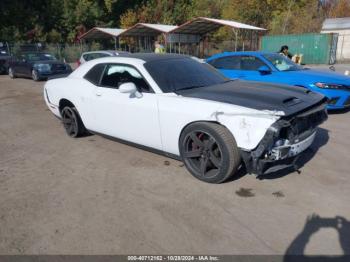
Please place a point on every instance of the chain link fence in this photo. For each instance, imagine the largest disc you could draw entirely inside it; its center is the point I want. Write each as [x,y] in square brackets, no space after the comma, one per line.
[71,52]
[207,49]
[63,51]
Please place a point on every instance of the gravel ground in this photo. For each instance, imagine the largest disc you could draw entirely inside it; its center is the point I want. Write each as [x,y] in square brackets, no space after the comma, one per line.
[60,195]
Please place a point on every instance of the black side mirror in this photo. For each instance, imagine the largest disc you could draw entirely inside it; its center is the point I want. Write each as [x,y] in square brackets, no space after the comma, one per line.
[264,70]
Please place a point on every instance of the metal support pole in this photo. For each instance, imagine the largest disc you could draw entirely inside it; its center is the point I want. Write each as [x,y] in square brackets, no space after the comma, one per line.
[342,47]
[165,41]
[236,36]
[8,48]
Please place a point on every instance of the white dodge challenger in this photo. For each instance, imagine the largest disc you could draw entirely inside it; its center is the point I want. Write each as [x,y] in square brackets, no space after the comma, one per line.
[185,109]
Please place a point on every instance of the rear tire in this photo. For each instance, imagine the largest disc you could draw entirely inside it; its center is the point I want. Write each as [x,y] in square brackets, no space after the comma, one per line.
[72,122]
[209,151]
[12,73]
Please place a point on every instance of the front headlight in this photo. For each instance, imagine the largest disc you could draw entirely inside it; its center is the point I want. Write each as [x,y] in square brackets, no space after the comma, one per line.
[42,67]
[330,86]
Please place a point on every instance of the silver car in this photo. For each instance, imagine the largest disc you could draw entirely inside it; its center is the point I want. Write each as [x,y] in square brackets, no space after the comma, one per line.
[87,56]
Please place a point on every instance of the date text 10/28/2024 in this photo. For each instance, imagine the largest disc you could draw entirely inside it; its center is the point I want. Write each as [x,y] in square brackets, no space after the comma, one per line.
[173,258]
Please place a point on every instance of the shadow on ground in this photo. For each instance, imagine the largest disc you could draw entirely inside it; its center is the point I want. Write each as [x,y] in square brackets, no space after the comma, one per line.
[339,111]
[314,223]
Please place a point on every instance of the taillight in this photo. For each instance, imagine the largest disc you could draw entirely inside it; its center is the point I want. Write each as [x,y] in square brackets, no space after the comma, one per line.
[78,63]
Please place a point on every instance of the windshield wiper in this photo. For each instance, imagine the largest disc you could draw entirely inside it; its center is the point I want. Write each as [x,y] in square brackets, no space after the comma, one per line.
[293,69]
[229,80]
[190,87]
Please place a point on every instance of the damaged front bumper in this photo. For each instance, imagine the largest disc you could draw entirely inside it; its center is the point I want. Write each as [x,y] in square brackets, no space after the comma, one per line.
[284,141]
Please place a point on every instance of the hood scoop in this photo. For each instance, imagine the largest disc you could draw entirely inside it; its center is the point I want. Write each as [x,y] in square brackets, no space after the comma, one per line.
[291,101]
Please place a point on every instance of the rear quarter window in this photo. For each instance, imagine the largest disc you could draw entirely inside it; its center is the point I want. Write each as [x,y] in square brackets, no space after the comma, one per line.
[95,73]
[227,62]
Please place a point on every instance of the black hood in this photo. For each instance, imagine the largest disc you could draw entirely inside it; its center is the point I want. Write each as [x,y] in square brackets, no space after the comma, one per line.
[257,95]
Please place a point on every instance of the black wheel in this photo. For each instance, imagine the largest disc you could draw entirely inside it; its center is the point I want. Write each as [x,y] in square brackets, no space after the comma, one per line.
[209,151]
[35,75]
[12,73]
[72,122]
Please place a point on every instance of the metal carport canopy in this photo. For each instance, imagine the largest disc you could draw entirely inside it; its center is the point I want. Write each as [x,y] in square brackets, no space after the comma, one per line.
[204,25]
[144,29]
[100,32]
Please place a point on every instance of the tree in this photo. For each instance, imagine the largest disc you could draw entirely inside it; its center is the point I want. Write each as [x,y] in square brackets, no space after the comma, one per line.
[341,9]
[64,20]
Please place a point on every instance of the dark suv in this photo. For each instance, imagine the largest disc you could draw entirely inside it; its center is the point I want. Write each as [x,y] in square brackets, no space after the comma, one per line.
[37,65]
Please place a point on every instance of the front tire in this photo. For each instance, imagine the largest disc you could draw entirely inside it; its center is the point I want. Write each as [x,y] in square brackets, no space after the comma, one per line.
[71,122]
[35,75]
[209,151]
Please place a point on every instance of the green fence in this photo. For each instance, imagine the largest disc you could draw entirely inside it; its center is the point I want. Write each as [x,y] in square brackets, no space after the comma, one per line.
[315,48]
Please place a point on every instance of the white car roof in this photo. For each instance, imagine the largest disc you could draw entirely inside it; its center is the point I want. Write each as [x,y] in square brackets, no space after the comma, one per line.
[84,68]
[105,52]
[137,59]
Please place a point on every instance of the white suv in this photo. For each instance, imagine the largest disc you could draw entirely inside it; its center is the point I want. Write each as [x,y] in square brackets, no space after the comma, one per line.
[87,56]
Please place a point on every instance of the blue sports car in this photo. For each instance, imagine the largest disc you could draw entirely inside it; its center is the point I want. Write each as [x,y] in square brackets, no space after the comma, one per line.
[273,67]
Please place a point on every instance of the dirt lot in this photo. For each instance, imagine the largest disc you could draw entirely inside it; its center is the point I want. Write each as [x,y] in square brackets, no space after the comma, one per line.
[94,196]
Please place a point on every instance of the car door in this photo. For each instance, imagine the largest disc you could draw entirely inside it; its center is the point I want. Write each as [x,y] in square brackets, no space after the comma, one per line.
[241,66]
[19,65]
[249,68]
[122,115]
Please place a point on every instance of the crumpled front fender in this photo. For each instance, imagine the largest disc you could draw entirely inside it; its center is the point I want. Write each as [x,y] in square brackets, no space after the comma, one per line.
[248,128]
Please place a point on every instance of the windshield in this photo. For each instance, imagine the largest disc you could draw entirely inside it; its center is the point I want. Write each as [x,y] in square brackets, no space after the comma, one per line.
[183,73]
[40,57]
[282,63]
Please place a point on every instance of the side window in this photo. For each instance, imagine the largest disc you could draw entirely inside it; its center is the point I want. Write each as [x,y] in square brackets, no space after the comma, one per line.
[251,63]
[94,74]
[114,75]
[99,55]
[227,62]
[88,57]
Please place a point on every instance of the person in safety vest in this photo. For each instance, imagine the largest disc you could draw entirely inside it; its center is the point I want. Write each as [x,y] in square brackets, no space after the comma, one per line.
[159,49]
